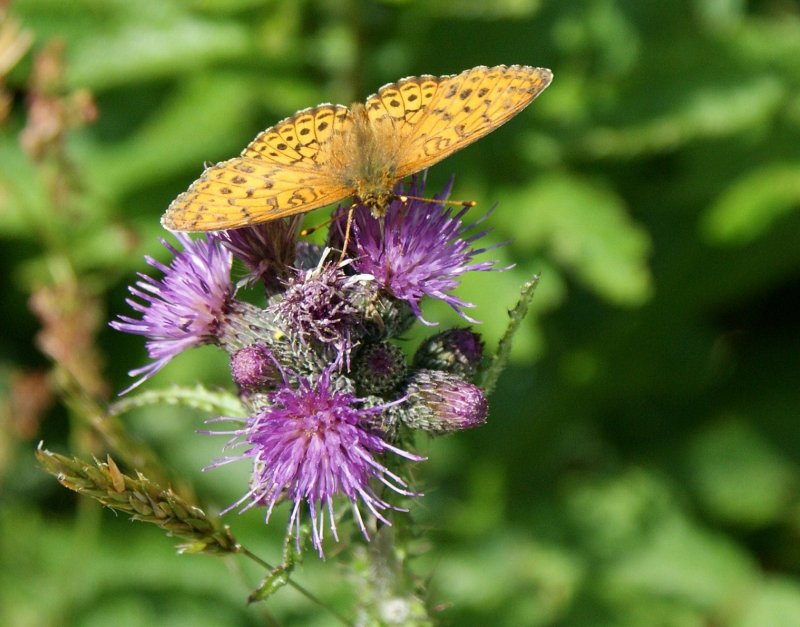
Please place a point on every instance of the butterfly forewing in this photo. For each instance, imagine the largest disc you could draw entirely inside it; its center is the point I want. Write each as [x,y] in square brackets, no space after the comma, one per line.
[402,104]
[466,107]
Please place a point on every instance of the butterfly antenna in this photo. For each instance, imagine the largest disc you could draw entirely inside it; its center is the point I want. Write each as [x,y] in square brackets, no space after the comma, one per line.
[401,215]
[313,229]
[439,201]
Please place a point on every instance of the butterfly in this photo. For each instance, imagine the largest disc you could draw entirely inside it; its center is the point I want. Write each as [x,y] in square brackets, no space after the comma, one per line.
[323,154]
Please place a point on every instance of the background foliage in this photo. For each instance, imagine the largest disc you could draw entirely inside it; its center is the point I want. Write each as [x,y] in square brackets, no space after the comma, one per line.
[640,464]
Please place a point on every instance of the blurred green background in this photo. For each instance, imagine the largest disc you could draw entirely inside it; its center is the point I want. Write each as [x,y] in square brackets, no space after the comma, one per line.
[640,465]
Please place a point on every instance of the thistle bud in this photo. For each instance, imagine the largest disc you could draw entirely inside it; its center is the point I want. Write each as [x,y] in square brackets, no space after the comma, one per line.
[457,351]
[379,368]
[254,369]
[440,402]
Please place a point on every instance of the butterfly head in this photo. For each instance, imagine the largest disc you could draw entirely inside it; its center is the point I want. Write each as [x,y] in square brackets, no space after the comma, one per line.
[377,202]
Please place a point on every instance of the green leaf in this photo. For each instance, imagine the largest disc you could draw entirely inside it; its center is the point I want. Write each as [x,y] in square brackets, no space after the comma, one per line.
[775,602]
[24,202]
[500,9]
[678,560]
[160,42]
[488,377]
[274,581]
[739,476]
[753,204]
[200,122]
[707,112]
[584,226]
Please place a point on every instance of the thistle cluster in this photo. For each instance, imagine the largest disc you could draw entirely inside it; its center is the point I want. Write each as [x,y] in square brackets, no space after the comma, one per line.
[332,397]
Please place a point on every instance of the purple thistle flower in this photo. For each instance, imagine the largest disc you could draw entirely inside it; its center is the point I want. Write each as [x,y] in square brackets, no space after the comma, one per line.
[310,444]
[421,249]
[185,308]
[320,306]
[268,249]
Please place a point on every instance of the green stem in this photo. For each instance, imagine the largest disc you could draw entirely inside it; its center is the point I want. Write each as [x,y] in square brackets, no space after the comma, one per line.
[492,372]
[302,590]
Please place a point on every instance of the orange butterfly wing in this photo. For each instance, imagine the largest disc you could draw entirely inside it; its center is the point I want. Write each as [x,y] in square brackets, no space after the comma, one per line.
[307,160]
[287,169]
[432,117]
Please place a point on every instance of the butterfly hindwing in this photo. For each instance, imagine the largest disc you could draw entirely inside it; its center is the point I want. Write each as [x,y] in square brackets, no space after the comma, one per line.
[240,192]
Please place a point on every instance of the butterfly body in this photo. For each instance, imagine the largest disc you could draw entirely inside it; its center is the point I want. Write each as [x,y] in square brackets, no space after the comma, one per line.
[326,153]
[371,154]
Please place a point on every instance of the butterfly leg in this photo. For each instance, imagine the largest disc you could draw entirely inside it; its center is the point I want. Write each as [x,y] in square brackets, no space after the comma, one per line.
[347,229]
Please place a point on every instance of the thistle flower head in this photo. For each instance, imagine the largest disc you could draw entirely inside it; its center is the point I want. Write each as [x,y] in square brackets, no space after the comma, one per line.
[421,249]
[316,365]
[267,249]
[311,444]
[378,368]
[185,308]
[320,307]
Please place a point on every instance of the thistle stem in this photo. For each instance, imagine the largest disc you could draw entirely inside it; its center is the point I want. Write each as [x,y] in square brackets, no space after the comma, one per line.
[491,373]
[301,589]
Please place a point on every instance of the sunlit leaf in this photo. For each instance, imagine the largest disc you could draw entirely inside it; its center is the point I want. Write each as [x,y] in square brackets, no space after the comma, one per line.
[739,476]
[585,227]
[753,204]
[136,51]
[201,122]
